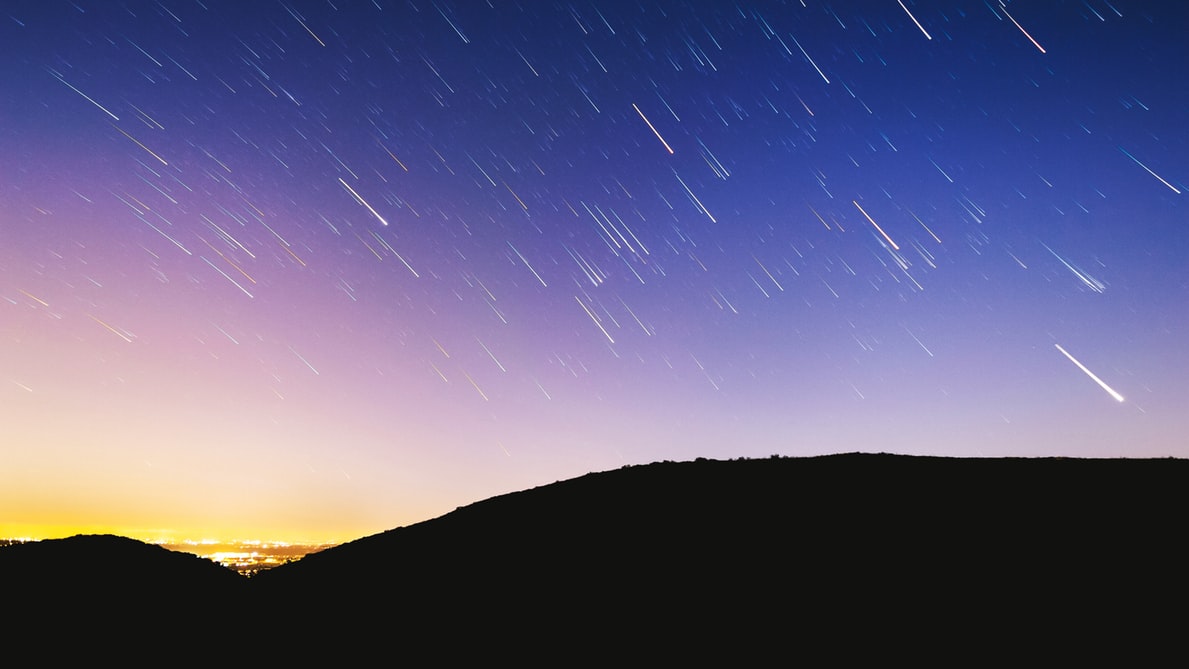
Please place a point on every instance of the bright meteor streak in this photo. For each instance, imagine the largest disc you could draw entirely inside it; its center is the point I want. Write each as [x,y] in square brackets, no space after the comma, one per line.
[362,201]
[885,235]
[1090,374]
[654,130]
[1137,162]
[1013,20]
[914,20]
[88,97]
[804,53]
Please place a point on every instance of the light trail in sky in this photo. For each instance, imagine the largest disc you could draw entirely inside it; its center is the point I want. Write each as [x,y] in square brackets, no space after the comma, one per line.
[87,97]
[885,235]
[914,20]
[1092,375]
[1003,7]
[362,201]
[653,128]
[1137,162]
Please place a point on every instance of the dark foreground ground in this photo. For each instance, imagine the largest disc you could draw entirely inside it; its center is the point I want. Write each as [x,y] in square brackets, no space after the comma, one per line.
[827,560]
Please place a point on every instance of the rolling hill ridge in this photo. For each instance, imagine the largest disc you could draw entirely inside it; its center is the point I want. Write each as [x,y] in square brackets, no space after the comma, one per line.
[672,555]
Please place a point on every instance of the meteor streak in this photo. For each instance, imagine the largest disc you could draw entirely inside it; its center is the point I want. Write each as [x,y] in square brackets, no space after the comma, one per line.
[596,320]
[1013,20]
[34,297]
[477,388]
[885,235]
[1137,162]
[1100,382]
[303,25]
[914,20]
[1089,281]
[88,98]
[654,131]
[526,264]
[114,331]
[137,141]
[362,201]
[819,70]
[302,358]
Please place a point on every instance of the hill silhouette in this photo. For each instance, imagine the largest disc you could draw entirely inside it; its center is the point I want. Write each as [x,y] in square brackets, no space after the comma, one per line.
[681,554]
[856,554]
[105,591]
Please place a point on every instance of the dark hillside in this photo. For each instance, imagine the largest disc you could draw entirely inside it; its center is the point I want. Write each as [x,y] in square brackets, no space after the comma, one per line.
[66,594]
[685,553]
[735,563]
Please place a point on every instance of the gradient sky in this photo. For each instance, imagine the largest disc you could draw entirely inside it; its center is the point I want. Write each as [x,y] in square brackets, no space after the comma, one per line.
[311,270]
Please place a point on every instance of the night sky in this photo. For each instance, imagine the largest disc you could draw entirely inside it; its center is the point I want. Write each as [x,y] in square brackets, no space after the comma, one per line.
[313,270]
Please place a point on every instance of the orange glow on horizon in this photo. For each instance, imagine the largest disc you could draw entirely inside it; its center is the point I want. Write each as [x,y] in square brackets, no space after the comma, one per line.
[194,536]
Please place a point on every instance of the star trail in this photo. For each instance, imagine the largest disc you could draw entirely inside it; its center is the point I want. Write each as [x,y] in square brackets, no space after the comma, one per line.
[312,269]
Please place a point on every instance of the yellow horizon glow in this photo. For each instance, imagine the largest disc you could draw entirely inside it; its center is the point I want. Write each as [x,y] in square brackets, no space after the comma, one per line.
[47,531]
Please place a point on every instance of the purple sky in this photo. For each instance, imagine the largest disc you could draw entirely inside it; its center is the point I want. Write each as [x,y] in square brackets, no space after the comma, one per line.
[313,270]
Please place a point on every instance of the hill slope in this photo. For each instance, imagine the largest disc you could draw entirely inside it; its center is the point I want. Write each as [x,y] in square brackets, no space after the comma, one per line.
[682,553]
[853,555]
[106,591]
